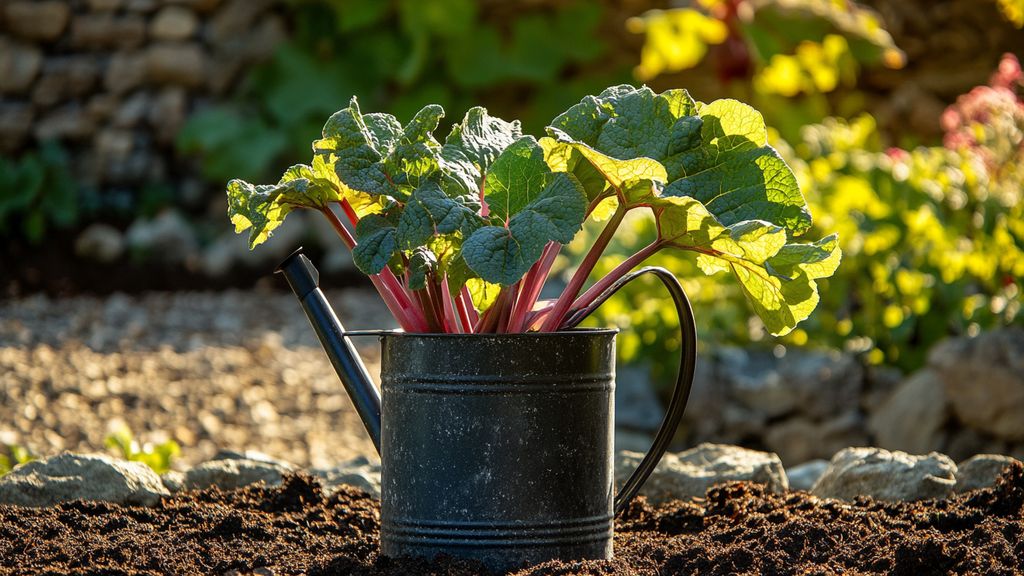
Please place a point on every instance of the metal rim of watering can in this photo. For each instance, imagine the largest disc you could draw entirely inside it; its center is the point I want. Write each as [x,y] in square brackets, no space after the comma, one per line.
[684,379]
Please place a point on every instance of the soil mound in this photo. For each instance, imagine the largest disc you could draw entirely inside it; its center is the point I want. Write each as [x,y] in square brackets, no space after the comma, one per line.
[737,528]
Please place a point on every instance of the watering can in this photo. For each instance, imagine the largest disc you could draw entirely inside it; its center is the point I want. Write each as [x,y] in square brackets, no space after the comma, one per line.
[495,447]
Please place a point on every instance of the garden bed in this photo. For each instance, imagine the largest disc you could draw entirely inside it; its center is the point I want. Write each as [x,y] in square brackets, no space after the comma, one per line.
[737,528]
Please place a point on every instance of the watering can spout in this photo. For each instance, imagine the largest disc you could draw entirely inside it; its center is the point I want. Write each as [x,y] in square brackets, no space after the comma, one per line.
[303,279]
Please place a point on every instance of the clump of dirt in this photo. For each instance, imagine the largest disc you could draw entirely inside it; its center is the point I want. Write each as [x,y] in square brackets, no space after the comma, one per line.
[737,528]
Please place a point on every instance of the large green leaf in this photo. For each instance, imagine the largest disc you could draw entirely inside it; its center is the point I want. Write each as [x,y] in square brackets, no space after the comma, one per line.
[374,154]
[430,212]
[529,206]
[716,153]
[377,243]
[713,184]
[482,137]
[777,277]
[262,208]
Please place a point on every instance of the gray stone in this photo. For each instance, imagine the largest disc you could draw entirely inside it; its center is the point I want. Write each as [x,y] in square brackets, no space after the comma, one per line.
[234,19]
[168,113]
[100,242]
[107,31]
[173,23]
[142,6]
[173,480]
[842,431]
[168,237]
[232,58]
[880,382]
[886,475]
[966,442]
[981,471]
[228,474]
[689,474]
[19,65]
[65,78]
[254,455]
[125,72]
[101,107]
[794,440]
[81,477]
[37,19]
[15,124]
[813,373]
[132,111]
[68,122]
[105,5]
[912,418]
[359,472]
[739,423]
[803,476]
[171,63]
[197,5]
[758,386]
[636,403]
[707,396]
[339,260]
[984,380]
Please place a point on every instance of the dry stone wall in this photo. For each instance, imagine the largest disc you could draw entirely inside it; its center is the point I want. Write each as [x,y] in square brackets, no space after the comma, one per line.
[806,405]
[114,80]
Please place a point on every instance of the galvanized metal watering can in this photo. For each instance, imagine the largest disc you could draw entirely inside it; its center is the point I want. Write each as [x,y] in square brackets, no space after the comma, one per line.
[495,447]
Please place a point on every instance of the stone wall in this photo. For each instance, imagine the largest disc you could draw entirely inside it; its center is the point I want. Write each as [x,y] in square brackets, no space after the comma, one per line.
[806,405]
[114,80]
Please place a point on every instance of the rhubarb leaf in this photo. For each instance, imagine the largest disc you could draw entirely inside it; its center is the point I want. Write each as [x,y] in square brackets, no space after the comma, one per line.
[482,137]
[430,212]
[502,252]
[716,153]
[262,208]
[374,154]
[515,178]
[377,243]
[422,262]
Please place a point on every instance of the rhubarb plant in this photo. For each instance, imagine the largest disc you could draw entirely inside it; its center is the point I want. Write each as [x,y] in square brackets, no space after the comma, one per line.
[461,236]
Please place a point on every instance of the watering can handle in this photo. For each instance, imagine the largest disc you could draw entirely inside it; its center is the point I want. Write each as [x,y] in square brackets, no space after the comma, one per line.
[684,380]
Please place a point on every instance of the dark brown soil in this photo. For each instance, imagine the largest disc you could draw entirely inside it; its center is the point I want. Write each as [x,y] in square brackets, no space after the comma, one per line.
[737,529]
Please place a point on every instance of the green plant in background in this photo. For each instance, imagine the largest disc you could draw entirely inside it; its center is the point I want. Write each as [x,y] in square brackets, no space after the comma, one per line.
[12,455]
[775,50]
[156,456]
[525,60]
[935,235]
[37,192]
[932,238]
[1013,10]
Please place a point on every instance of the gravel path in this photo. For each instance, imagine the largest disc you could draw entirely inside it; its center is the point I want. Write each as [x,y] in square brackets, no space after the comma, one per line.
[230,370]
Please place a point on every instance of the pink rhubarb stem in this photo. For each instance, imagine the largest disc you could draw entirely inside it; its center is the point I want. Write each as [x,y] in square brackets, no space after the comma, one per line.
[451,316]
[618,272]
[467,302]
[565,300]
[533,284]
[407,319]
[464,317]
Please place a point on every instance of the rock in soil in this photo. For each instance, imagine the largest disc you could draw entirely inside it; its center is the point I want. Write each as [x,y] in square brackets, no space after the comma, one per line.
[73,476]
[981,471]
[690,473]
[803,476]
[738,528]
[886,475]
